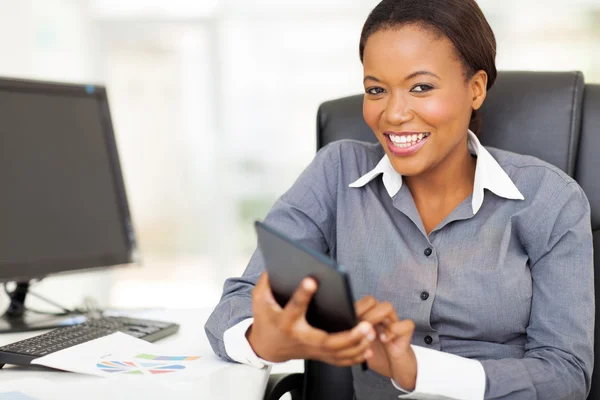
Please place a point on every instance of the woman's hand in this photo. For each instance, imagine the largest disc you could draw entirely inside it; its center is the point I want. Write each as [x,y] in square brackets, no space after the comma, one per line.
[392,355]
[281,334]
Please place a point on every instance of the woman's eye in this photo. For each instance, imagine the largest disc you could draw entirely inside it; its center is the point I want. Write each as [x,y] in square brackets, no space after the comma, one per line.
[374,90]
[421,88]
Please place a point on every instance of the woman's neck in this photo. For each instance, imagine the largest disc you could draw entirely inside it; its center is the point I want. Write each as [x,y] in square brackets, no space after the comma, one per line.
[452,179]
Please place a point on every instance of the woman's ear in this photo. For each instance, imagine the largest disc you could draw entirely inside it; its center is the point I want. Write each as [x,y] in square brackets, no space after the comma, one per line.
[479,88]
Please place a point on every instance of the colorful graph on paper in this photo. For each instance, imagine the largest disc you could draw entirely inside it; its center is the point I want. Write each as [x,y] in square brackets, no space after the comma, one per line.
[166,358]
[146,364]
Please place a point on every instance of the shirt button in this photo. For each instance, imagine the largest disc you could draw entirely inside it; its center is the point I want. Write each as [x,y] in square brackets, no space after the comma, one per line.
[424,296]
[428,339]
[428,252]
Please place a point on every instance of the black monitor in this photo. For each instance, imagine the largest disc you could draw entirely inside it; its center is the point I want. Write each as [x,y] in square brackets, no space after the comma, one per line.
[63,205]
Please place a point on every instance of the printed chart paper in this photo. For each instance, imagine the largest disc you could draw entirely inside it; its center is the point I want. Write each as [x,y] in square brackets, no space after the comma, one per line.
[122,355]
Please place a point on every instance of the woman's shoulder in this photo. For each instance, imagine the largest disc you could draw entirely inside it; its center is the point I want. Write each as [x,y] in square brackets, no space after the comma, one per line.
[526,167]
[342,161]
[353,154]
[355,146]
[538,180]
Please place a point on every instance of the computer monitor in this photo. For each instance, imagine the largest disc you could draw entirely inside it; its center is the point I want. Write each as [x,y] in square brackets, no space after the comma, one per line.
[63,205]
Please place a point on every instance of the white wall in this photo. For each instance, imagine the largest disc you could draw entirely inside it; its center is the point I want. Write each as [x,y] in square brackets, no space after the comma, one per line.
[206,94]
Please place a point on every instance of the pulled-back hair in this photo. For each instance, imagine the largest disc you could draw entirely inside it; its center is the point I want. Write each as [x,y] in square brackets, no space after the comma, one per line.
[461,21]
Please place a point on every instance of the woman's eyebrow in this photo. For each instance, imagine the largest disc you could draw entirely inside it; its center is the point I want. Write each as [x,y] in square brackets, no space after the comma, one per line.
[372,78]
[409,77]
[418,73]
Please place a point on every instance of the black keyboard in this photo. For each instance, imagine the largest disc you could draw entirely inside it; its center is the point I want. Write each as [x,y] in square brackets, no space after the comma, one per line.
[25,351]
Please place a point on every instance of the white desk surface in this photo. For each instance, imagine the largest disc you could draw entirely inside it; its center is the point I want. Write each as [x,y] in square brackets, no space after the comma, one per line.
[234,381]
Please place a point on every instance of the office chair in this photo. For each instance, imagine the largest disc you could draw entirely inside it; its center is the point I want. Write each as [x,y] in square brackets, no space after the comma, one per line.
[554,116]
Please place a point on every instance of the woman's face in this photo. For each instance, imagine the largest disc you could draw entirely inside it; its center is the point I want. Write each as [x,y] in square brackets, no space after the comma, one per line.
[417,101]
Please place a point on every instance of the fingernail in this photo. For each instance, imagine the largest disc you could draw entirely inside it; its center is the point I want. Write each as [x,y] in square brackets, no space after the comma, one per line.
[371,336]
[383,337]
[365,328]
[368,353]
[309,284]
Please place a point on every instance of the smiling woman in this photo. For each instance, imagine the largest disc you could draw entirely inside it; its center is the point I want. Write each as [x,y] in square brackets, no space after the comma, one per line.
[472,41]
[419,101]
[472,266]
[412,80]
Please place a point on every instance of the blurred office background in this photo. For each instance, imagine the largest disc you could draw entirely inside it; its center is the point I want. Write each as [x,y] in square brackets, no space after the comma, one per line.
[214,106]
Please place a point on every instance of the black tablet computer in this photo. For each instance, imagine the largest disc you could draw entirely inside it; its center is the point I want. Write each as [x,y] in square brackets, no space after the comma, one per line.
[288,262]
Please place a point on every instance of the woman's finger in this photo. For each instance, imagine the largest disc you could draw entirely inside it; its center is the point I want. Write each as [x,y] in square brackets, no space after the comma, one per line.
[380,313]
[401,332]
[350,353]
[262,297]
[365,304]
[349,339]
[297,306]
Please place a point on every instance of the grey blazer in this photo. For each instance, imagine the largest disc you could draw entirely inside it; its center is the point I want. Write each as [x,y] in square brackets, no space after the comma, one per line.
[510,285]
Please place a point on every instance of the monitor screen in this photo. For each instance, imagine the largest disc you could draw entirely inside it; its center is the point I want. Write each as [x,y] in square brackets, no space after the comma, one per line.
[62,199]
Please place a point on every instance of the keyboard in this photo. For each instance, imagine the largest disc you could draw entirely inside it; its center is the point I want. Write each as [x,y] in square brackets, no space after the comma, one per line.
[25,351]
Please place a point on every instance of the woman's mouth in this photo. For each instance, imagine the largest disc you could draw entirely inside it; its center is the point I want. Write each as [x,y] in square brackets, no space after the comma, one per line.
[405,143]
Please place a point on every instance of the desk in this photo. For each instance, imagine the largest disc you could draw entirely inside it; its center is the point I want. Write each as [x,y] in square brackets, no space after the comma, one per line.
[233,381]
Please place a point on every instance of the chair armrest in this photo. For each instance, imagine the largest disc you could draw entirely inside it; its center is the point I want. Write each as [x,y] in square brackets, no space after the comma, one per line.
[279,384]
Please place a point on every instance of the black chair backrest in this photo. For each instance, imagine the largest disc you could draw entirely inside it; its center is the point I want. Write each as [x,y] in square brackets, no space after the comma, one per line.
[586,174]
[535,113]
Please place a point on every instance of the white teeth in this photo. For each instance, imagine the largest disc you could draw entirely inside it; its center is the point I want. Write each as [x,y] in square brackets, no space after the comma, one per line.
[408,140]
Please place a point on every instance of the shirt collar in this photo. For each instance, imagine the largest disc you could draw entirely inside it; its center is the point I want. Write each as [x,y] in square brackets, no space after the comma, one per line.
[488,175]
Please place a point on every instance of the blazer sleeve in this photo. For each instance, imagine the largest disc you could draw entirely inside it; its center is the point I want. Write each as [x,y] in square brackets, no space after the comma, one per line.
[306,212]
[559,352]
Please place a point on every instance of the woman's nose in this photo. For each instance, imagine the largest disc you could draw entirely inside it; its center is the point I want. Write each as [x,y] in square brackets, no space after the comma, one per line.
[398,110]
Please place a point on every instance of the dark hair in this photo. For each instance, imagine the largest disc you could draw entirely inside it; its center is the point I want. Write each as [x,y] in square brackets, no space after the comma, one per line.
[461,21]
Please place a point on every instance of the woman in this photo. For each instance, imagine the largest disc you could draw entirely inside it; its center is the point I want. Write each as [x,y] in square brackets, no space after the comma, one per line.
[473,266]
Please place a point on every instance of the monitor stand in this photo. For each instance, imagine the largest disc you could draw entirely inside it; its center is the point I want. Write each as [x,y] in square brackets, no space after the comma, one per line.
[17,319]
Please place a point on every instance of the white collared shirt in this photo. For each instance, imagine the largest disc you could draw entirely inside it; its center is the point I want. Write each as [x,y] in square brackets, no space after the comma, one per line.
[488,175]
